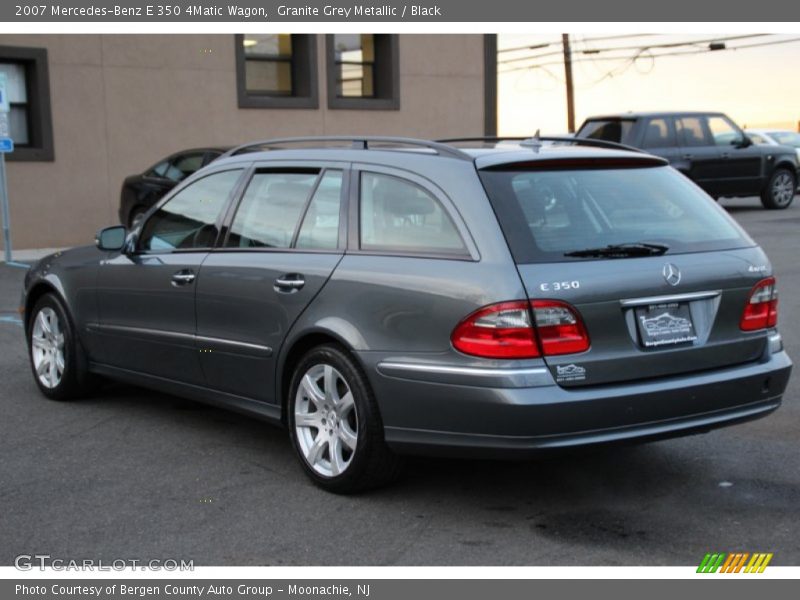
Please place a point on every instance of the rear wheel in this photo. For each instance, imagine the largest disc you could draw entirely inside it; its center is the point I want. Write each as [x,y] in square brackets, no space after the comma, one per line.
[780,189]
[335,426]
[57,360]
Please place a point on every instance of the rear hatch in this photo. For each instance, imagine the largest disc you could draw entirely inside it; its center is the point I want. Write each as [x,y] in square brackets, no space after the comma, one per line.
[656,271]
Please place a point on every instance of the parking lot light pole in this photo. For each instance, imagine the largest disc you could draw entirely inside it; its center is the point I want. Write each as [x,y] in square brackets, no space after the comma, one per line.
[4,203]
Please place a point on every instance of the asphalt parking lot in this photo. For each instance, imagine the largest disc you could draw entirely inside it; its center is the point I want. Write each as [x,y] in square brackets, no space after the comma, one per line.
[134,474]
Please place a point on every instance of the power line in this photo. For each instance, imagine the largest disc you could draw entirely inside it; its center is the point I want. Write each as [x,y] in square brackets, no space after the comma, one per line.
[639,47]
[641,51]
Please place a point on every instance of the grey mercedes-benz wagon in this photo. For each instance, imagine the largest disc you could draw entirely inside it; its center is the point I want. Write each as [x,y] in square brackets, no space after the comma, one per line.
[381,296]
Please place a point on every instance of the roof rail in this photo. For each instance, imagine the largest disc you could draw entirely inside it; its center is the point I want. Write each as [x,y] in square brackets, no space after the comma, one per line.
[357,142]
[534,141]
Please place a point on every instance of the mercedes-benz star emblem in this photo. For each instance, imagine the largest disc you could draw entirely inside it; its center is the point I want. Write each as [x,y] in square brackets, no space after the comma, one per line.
[672,274]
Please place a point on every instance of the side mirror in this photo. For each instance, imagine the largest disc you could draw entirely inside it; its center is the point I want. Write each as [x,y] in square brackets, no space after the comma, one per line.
[111,238]
[743,142]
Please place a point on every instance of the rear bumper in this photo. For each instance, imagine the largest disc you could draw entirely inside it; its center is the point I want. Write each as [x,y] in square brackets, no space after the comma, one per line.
[428,417]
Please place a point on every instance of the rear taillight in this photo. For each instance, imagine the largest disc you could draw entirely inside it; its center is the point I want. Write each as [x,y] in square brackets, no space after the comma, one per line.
[505,331]
[559,327]
[761,310]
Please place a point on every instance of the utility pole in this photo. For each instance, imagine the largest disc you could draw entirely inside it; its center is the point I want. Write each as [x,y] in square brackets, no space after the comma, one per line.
[570,90]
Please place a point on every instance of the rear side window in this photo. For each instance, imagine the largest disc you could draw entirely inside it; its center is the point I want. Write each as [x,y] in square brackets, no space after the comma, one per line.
[659,133]
[609,130]
[188,219]
[693,132]
[270,210]
[547,214]
[400,216]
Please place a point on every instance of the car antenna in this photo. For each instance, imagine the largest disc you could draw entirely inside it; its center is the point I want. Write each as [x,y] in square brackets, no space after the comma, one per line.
[534,143]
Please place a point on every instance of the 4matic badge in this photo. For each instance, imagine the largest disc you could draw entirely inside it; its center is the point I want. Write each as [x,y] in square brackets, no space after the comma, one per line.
[570,373]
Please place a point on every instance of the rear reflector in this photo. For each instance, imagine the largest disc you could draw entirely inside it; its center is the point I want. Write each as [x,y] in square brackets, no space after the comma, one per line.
[505,330]
[761,310]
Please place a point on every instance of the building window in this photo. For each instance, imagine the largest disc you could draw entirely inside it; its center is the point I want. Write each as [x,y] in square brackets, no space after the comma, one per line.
[28,87]
[363,71]
[276,71]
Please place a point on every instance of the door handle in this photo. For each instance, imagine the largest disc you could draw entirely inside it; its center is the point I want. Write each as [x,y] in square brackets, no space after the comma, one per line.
[726,155]
[290,282]
[687,156]
[184,277]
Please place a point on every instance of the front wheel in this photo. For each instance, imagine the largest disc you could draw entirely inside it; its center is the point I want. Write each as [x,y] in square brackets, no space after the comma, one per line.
[56,357]
[335,425]
[779,191]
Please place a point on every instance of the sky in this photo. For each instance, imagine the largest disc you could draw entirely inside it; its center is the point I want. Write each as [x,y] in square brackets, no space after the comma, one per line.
[757,87]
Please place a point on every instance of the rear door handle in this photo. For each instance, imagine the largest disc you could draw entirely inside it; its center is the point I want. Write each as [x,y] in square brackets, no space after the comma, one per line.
[726,155]
[687,157]
[291,282]
[183,277]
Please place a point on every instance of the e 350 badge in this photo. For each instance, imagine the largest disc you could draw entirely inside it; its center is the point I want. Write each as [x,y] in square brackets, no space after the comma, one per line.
[570,373]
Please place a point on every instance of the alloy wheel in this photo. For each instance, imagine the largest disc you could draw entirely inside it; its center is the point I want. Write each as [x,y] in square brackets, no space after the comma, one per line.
[47,347]
[783,189]
[325,419]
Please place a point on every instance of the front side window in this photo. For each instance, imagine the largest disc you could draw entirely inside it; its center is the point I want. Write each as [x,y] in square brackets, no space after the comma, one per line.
[547,215]
[276,70]
[320,229]
[400,216]
[724,132]
[178,168]
[188,220]
[363,71]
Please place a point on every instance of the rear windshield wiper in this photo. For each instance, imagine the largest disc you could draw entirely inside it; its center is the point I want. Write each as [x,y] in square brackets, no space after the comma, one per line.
[621,250]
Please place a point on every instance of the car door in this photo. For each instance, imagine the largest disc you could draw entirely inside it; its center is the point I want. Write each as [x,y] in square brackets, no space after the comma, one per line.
[700,158]
[282,242]
[146,295]
[741,162]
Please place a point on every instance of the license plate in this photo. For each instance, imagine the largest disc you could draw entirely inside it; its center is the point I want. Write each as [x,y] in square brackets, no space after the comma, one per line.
[665,325]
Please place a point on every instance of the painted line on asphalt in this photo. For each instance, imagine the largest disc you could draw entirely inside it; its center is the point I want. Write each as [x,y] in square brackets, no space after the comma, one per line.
[10,319]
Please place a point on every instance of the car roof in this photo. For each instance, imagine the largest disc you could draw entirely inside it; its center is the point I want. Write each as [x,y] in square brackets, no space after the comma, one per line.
[480,156]
[656,113]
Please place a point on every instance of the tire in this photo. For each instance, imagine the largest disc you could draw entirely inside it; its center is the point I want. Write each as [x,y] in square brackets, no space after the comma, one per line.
[136,216]
[57,360]
[339,442]
[780,189]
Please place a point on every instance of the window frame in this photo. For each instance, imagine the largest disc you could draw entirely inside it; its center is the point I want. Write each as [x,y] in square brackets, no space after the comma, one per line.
[386,76]
[305,87]
[236,190]
[39,113]
[321,166]
[470,252]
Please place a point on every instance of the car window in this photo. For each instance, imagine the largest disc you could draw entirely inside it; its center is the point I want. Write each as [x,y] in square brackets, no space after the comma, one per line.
[271,209]
[693,132]
[546,214]
[400,216]
[609,130]
[723,131]
[188,219]
[160,170]
[757,139]
[659,134]
[787,138]
[320,228]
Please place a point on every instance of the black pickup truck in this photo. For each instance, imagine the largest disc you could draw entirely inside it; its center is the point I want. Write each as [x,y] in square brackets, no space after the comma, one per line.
[707,147]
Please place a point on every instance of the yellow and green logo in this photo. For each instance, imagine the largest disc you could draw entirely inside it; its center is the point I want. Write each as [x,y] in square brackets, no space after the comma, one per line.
[734,562]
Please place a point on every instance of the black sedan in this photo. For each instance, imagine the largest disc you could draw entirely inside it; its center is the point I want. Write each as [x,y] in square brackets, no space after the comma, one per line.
[140,192]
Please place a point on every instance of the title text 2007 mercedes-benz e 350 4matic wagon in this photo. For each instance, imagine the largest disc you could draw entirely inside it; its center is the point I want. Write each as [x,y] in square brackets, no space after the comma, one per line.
[380,296]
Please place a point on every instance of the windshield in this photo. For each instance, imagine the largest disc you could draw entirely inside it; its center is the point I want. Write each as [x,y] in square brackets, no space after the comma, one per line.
[551,216]
[787,138]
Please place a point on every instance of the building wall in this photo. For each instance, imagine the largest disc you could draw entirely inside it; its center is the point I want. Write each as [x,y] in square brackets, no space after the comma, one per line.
[121,102]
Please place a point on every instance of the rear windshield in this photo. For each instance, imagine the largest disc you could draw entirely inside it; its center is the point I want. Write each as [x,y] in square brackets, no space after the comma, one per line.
[610,130]
[547,214]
